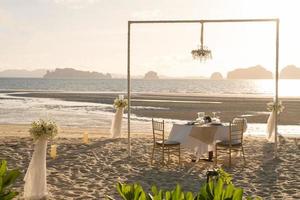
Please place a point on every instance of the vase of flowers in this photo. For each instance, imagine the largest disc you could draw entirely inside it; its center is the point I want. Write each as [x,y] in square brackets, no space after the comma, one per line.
[119,104]
[43,129]
[273,107]
[35,179]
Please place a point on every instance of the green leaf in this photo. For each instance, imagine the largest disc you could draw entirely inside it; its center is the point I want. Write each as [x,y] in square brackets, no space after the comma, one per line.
[210,189]
[10,195]
[229,191]
[189,196]
[154,190]
[3,167]
[10,177]
[218,189]
[121,191]
[238,194]
[168,195]
[1,185]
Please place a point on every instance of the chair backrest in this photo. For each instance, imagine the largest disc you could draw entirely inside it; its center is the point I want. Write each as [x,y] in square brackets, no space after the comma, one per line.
[158,128]
[237,129]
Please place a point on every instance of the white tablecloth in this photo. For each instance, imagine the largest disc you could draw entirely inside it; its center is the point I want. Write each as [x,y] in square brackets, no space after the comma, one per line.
[187,136]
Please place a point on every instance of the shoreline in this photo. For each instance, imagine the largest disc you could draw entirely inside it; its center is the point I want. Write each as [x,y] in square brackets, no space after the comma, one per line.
[183,107]
[169,94]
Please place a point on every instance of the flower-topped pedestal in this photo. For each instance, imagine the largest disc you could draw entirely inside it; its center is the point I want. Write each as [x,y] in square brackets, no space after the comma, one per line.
[119,104]
[35,178]
[274,109]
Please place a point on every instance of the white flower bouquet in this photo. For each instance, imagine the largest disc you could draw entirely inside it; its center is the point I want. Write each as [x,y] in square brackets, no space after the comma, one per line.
[42,128]
[120,103]
[271,106]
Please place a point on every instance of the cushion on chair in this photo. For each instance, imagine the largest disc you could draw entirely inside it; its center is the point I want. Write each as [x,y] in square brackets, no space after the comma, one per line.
[168,142]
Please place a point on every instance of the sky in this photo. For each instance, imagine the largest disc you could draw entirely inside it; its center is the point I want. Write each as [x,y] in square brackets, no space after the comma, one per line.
[92,35]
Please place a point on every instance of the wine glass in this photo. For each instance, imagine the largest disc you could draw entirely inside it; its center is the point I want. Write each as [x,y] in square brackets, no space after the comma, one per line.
[214,114]
[201,114]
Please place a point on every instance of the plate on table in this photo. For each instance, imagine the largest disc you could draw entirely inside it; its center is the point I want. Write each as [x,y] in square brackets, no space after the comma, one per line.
[216,123]
[191,123]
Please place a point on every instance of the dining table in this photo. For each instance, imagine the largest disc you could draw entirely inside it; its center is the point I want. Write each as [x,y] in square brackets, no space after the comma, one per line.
[199,138]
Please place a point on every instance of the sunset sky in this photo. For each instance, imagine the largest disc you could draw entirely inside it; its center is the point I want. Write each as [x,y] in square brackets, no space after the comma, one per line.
[92,35]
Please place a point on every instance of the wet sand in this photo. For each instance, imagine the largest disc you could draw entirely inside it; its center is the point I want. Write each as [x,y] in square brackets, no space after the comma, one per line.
[185,107]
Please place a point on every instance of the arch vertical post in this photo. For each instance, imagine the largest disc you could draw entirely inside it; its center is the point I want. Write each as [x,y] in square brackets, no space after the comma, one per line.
[128,91]
[276,85]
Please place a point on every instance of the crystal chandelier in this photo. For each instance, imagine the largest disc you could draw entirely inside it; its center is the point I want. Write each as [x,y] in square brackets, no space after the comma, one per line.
[202,52]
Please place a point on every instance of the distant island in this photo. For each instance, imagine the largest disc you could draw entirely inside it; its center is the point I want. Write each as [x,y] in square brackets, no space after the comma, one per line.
[70,73]
[256,72]
[290,72]
[23,73]
[216,76]
[151,75]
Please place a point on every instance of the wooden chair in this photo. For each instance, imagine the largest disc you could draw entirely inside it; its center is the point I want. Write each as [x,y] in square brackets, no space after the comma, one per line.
[235,139]
[161,144]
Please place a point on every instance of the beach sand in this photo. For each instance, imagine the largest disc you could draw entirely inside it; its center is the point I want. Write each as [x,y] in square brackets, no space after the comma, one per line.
[91,171]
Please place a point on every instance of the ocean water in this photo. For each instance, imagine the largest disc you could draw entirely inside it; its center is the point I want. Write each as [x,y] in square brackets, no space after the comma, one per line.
[210,87]
[24,110]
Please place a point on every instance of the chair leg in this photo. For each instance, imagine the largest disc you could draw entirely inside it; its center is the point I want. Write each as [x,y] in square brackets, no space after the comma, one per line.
[152,155]
[163,156]
[179,155]
[216,156]
[229,157]
[168,155]
[243,155]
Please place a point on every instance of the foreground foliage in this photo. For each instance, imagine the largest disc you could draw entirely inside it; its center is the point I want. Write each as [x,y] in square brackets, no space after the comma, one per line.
[7,178]
[220,188]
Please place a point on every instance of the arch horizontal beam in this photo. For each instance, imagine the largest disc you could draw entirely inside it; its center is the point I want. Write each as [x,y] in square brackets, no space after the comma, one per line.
[203,21]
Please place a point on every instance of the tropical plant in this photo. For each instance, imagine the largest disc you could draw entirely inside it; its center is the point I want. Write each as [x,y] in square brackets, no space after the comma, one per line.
[220,188]
[7,178]
[132,192]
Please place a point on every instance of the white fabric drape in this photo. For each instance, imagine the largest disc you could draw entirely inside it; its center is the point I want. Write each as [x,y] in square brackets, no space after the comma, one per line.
[117,123]
[35,178]
[271,127]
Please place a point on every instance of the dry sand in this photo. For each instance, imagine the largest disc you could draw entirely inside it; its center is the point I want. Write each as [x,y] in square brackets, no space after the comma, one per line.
[92,171]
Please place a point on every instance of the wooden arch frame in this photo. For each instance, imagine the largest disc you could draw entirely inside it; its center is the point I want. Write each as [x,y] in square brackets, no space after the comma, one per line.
[273,20]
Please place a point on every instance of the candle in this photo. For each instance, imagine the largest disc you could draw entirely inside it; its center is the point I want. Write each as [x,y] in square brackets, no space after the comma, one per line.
[121,97]
[53,152]
[85,138]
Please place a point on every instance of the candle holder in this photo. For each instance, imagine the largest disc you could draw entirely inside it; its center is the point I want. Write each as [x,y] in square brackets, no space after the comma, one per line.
[85,138]
[53,151]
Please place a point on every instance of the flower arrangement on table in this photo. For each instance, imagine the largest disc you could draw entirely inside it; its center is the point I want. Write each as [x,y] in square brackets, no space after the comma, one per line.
[120,103]
[42,128]
[271,106]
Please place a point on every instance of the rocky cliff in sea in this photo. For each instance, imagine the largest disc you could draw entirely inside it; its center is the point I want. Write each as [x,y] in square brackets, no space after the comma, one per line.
[216,76]
[70,73]
[256,72]
[290,72]
[151,75]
